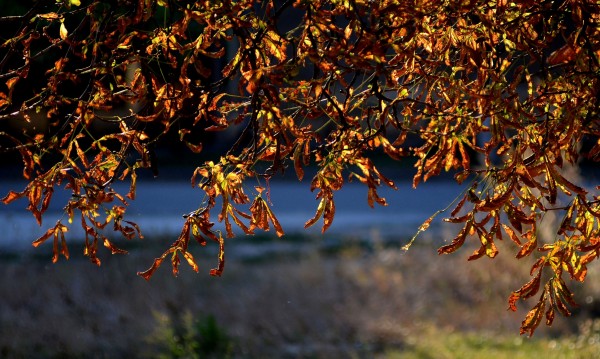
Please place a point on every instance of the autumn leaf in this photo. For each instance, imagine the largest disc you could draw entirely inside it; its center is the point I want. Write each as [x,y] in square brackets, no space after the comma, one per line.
[511,234]
[13,196]
[190,259]
[457,242]
[64,33]
[261,215]
[44,237]
[564,54]
[113,249]
[528,290]
[533,318]
[216,272]
[318,214]
[328,215]
[10,83]
[132,186]
[49,16]
[530,246]
[147,274]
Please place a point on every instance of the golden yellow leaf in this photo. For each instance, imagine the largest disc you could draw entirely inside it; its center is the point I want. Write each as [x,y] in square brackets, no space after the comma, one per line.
[63,31]
[49,16]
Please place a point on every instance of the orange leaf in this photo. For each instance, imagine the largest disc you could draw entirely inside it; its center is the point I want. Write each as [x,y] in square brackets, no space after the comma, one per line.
[11,82]
[233,212]
[457,242]
[460,219]
[216,272]
[113,249]
[64,250]
[566,183]
[328,215]
[564,54]
[478,253]
[511,234]
[190,259]
[194,148]
[259,215]
[528,290]
[44,237]
[55,248]
[136,228]
[184,236]
[528,247]
[318,214]
[495,202]
[175,263]
[132,186]
[47,197]
[12,196]
[147,274]
[49,16]
[81,155]
[276,225]
[533,318]
[458,206]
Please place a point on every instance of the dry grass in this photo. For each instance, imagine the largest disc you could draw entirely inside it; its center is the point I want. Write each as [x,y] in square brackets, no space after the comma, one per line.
[352,301]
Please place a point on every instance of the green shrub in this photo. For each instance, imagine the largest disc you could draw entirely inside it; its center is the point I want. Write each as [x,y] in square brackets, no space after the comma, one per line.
[186,336]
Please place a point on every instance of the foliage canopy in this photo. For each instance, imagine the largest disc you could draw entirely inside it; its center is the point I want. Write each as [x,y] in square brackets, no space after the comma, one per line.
[317,83]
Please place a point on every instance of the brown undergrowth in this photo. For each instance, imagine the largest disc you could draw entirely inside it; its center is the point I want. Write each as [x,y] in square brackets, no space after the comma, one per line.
[348,299]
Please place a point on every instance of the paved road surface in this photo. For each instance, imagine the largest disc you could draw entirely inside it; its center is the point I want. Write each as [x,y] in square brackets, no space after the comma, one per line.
[160,204]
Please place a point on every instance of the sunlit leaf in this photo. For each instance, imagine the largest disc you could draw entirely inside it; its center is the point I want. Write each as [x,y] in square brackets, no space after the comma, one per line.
[533,318]
[64,33]
[44,237]
[49,16]
[147,274]
[528,247]
[113,249]
[12,196]
[190,259]
[216,272]
[528,290]
[318,214]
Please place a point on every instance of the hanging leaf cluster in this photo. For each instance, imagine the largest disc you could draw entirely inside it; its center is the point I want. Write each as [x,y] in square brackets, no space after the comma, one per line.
[503,95]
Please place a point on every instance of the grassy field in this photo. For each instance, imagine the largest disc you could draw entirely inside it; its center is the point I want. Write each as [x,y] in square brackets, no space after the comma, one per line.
[303,297]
